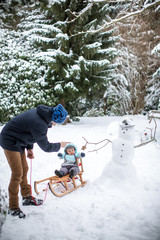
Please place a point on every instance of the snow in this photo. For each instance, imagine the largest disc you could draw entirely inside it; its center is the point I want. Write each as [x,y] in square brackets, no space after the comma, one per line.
[93,45]
[156,49]
[58,87]
[123,208]
[54,53]
[71,85]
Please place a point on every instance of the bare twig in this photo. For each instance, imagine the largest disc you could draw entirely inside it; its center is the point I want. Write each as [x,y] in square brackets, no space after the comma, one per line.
[153,138]
[144,143]
[95,150]
[151,131]
[85,146]
[155,128]
[154,135]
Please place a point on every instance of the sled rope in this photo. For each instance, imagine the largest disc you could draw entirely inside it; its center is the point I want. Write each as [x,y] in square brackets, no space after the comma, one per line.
[31,187]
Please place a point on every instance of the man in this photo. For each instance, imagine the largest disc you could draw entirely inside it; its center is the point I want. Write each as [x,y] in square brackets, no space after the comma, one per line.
[21,133]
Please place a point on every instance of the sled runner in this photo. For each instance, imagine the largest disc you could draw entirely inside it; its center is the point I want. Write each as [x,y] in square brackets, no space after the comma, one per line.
[62,186]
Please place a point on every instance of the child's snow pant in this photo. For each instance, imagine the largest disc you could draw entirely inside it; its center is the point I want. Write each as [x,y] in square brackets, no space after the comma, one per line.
[19,168]
[67,169]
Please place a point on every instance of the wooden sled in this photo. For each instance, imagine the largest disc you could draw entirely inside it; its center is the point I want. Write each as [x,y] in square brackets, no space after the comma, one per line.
[61,186]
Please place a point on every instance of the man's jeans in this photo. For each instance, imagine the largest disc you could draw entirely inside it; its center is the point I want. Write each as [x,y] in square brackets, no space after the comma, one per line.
[19,168]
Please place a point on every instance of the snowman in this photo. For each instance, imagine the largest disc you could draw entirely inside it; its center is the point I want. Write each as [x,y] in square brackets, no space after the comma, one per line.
[121,167]
[123,146]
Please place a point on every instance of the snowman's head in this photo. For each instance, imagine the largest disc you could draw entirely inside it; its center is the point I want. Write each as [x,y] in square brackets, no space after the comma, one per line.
[126,129]
[127,123]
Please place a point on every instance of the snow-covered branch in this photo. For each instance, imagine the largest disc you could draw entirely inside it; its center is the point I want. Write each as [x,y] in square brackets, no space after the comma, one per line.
[112,22]
[110,1]
[81,13]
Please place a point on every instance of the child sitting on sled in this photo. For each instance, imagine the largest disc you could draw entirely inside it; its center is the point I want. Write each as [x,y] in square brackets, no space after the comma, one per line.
[70,164]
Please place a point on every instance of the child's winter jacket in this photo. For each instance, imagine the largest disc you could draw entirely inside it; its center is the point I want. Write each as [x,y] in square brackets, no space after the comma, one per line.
[70,159]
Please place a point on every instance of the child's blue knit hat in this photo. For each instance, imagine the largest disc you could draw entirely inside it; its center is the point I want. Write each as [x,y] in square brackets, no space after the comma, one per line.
[59,114]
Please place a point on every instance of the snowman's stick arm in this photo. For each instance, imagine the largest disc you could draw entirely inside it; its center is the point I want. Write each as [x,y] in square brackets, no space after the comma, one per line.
[95,150]
[85,146]
[155,128]
[154,135]
[144,143]
[96,142]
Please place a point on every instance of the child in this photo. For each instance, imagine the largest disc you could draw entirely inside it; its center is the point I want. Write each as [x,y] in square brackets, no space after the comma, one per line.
[70,163]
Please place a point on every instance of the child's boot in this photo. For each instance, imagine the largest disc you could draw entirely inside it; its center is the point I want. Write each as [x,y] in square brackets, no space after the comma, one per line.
[59,173]
[71,173]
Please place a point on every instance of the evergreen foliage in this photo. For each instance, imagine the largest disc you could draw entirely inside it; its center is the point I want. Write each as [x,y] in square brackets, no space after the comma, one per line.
[51,54]
[45,59]
[22,76]
[82,61]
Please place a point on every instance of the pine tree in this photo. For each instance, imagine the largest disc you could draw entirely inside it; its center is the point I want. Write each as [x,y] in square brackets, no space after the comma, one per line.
[49,54]
[22,76]
[81,67]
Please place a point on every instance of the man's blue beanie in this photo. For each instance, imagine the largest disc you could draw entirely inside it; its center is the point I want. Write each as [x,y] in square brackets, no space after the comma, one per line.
[59,114]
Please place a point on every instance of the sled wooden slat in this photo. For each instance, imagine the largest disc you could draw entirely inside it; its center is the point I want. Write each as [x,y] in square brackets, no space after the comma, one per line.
[66,189]
[62,186]
[43,180]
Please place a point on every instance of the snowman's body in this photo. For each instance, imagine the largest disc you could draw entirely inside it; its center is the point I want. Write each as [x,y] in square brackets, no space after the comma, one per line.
[123,146]
[121,167]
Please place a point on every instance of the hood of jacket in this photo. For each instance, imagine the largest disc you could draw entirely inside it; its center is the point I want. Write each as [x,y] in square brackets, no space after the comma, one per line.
[70,145]
[45,112]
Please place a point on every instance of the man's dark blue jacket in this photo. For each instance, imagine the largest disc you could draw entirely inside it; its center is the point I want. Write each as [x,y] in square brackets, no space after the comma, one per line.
[28,128]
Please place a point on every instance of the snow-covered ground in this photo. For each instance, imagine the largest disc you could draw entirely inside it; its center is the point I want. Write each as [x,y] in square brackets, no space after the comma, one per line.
[109,206]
